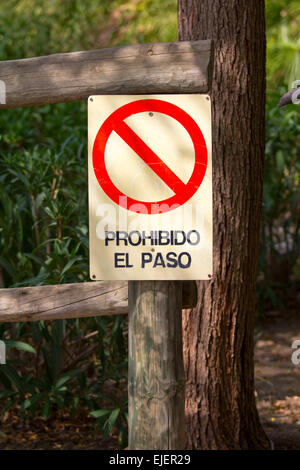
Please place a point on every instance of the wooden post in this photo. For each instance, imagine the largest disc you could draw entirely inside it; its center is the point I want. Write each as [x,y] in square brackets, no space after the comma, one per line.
[156,381]
[83,299]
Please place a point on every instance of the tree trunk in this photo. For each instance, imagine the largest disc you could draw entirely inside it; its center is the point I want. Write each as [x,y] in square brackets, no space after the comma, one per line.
[218,334]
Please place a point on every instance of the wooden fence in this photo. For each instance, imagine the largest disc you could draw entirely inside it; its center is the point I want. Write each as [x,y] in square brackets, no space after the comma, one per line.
[154,307]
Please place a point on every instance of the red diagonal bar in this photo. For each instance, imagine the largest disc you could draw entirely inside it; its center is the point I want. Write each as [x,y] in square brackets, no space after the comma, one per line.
[149,157]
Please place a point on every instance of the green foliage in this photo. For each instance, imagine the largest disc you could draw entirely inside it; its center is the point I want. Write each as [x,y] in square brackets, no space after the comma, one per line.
[280,247]
[72,363]
[31,28]
[139,21]
[107,419]
[283,45]
[44,217]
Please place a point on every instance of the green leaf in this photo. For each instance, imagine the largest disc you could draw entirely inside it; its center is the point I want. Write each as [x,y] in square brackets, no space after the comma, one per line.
[13,377]
[39,199]
[66,377]
[7,266]
[113,418]
[31,401]
[19,345]
[69,264]
[36,259]
[46,409]
[99,413]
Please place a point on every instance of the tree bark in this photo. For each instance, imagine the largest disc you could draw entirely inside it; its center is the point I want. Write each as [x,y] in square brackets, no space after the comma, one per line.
[218,334]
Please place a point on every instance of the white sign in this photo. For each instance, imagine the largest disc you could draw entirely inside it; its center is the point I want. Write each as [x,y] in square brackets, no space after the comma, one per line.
[150,187]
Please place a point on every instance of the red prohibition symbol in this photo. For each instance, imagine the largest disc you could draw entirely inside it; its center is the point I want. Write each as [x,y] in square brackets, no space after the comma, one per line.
[182,191]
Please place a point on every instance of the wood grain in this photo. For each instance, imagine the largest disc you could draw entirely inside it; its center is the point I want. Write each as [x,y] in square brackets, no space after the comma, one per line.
[156,382]
[86,299]
[174,67]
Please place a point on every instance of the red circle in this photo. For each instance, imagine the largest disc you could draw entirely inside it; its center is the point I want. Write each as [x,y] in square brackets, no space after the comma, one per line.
[150,105]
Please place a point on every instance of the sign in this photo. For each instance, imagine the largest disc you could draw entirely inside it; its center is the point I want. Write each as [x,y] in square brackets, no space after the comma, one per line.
[150,187]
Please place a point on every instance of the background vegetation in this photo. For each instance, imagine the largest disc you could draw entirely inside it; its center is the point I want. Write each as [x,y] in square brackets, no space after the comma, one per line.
[80,366]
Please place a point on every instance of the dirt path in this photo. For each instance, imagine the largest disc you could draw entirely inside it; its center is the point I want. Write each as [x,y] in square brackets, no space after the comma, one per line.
[59,433]
[278,379]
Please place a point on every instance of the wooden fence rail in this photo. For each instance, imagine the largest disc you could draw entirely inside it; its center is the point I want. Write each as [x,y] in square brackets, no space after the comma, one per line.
[87,299]
[175,67]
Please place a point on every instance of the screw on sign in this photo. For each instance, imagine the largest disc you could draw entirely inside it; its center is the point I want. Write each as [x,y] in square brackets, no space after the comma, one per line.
[116,122]
[150,187]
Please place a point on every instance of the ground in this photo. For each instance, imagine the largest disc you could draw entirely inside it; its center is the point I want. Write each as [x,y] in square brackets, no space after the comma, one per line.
[58,434]
[277,394]
[277,378]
